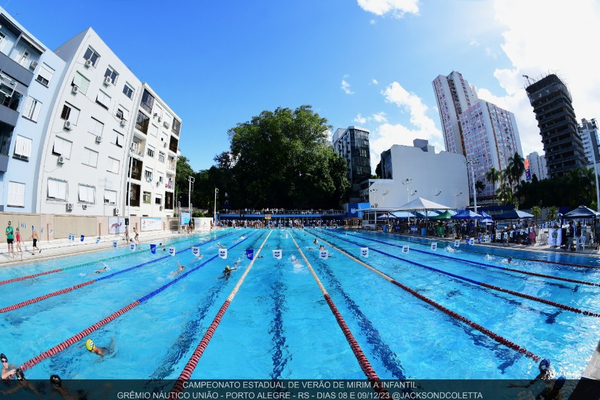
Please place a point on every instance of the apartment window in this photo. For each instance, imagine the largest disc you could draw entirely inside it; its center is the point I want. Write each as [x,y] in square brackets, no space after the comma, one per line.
[81,82]
[24,59]
[113,165]
[160,178]
[96,127]
[70,113]
[142,121]
[147,101]
[87,194]
[161,156]
[112,75]
[22,147]
[147,197]
[122,113]
[103,99]
[16,194]
[120,141]
[158,199]
[150,151]
[110,197]
[45,75]
[153,130]
[128,90]
[57,189]
[90,157]
[148,174]
[62,147]
[176,126]
[32,109]
[90,54]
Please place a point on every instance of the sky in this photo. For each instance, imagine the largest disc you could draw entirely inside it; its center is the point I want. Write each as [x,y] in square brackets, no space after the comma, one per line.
[366,63]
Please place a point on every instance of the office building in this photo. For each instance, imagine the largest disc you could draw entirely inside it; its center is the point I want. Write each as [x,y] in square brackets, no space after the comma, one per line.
[353,145]
[537,167]
[588,131]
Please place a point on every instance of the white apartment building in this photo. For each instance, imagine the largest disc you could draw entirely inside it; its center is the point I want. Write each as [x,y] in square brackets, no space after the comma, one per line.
[588,130]
[537,166]
[411,172]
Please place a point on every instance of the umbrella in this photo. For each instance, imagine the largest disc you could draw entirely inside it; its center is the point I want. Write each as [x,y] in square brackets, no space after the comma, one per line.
[581,212]
[420,203]
[445,215]
[514,214]
[466,214]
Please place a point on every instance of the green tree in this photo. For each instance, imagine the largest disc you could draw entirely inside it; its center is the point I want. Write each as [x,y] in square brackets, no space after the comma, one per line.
[552,213]
[184,170]
[493,175]
[515,169]
[537,212]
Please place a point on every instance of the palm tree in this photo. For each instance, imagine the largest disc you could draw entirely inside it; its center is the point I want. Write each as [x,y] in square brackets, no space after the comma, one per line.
[505,193]
[516,168]
[493,176]
[536,211]
[552,213]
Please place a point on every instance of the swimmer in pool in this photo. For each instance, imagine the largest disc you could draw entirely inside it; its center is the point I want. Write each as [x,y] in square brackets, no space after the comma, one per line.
[101,351]
[227,272]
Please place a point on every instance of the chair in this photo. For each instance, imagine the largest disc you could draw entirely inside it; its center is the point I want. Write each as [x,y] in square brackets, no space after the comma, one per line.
[581,242]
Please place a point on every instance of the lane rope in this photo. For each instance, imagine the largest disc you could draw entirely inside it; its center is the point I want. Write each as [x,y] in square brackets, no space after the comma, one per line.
[496,337]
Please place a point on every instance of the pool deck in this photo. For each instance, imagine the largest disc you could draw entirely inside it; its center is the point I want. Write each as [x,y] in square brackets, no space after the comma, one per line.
[64,247]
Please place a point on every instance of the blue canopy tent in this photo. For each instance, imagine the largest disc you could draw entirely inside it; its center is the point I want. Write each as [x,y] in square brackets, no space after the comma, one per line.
[514,214]
[466,214]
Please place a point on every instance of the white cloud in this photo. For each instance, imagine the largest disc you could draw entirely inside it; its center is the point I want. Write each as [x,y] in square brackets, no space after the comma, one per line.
[359,119]
[386,134]
[397,7]
[346,87]
[374,82]
[547,36]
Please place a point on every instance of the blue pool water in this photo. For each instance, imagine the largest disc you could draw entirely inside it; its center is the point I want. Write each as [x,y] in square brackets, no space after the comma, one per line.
[279,326]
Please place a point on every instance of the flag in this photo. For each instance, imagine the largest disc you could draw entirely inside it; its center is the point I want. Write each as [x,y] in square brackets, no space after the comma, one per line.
[323,254]
[405,249]
[434,246]
[223,253]
[82,237]
[98,240]
[277,254]
[250,254]
[457,243]
[132,246]
[172,251]
[196,251]
[51,231]
[364,251]
[471,241]
[153,248]
[115,243]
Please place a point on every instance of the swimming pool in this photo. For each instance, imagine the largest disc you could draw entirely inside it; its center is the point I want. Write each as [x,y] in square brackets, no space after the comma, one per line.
[278,323]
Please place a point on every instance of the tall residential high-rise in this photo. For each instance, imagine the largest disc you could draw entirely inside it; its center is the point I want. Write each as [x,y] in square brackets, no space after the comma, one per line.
[552,105]
[588,130]
[353,145]
[537,166]
[484,133]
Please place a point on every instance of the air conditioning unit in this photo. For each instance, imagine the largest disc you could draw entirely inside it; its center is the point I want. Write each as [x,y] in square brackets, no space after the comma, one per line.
[69,207]
[68,125]
[74,89]
[166,125]
[165,144]
[149,179]
[33,65]
[107,80]
[98,139]
[159,119]
[84,206]
[158,183]
[60,160]
[88,63]
[160,208]
[116,211]
[123,122]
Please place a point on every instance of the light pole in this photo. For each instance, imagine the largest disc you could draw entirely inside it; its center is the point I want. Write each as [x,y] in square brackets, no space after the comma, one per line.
[407,182]
[596,176]
[191,180]
[215,207]
[129,188]
[471,164]
[373,191]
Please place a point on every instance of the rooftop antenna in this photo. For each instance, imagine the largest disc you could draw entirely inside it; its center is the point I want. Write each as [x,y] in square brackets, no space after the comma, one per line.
[528,80]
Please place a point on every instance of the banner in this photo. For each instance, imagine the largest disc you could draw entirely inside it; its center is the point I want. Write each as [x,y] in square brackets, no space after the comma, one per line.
[434,246]
[151,224]
[250,254]
[486,239]
[471,241]
[132,246]
[323,254]
[223,253]
[364,251]
[405,249]
[116,225]
[196,251]
[498,235]
[98,240]
[554,237]
[277,254]
[457,243]
[115,244]
[82,237]
[172,251]
[152,248]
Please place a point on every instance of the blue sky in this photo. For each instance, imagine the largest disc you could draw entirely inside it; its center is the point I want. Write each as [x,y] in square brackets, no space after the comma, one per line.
[368,63]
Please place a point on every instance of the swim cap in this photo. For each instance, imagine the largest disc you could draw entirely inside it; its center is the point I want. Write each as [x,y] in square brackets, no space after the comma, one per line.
[55,380]
[89,345]
[559,382]
[544,364]
[227,268]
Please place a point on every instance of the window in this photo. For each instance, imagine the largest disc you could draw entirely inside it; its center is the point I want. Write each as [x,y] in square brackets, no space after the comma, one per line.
[112,75]
[57,189]
[110,197]
[32,109]
[176,126]
[70,113]
[147,101]
[161,156]
[22,147]
[23,60]
[150,151]
[164,138]
[158,199]
[122,113]
[147,197]
[81,82]
[153,130]
[128,91]
[87,194]
[103,99]
[16,194]
[141,123]
[119,139]
[160,178]
[62,147]
[90,54]
[96,127]
[113,165]
[45,75]
[148,174]
[89,157]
